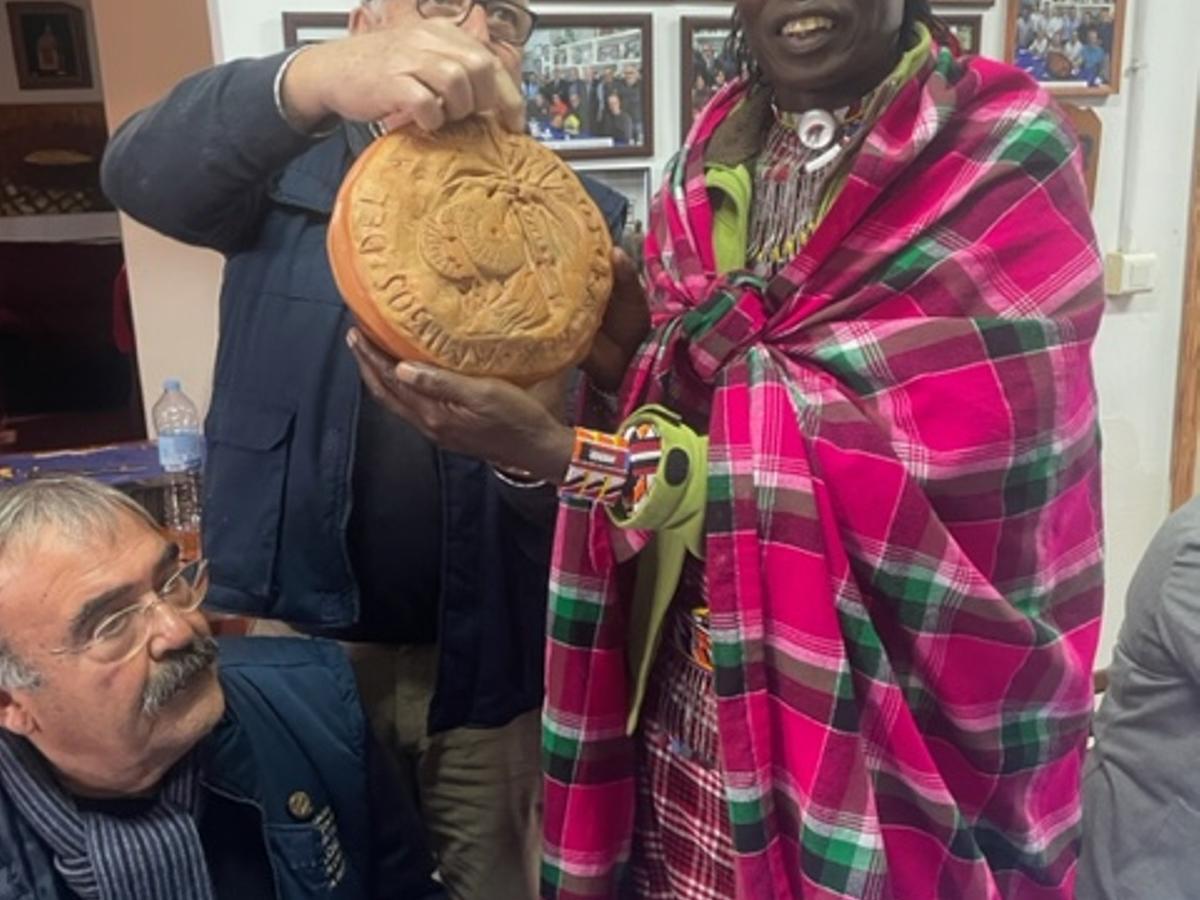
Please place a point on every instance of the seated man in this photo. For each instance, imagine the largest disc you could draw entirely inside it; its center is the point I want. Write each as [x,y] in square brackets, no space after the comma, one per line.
[129,768]
[1141,806]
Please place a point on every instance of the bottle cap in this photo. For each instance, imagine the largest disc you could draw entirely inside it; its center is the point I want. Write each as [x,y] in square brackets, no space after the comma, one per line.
[171,384]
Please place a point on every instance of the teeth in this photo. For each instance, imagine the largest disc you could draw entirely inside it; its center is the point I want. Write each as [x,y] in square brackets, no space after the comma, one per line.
[806,25]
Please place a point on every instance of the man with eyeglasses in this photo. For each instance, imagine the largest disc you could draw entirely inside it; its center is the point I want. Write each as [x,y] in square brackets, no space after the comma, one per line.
[322,509]
[139,760]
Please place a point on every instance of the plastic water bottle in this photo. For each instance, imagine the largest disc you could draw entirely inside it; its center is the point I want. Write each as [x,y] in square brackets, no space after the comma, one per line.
[180,453]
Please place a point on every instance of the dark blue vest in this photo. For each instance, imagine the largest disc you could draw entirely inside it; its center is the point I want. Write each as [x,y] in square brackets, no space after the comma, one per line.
[281,433]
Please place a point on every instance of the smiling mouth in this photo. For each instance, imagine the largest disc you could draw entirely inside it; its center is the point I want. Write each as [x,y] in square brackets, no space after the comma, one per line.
[806,26]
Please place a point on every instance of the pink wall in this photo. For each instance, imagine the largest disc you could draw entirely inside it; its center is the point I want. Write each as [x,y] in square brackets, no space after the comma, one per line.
[145,47]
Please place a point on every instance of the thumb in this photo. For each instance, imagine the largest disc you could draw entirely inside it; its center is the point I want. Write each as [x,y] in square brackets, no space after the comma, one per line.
[625,273]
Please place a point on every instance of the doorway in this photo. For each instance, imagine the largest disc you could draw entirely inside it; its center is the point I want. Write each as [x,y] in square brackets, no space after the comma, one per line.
[68,356]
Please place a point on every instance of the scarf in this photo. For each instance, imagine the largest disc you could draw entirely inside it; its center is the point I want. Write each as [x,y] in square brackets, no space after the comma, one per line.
[153,853]
[903,534]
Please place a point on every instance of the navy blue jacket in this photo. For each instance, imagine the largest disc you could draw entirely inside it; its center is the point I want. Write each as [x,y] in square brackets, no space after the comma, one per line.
[213,164]
[293,724]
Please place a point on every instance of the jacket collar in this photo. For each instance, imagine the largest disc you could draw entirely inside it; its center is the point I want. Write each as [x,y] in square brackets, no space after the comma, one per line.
[228,764]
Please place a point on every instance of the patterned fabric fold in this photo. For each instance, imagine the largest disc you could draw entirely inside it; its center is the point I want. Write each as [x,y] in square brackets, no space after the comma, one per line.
[903,532]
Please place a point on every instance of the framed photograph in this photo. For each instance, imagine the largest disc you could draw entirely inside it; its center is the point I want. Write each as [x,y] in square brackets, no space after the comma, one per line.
[588,87]
[632,183]
[313,28]
[50,46]
[635,185]
[1074,48]
[706,65]
[967,29]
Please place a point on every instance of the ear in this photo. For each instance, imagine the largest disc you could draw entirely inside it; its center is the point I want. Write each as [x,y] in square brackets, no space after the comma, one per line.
[362,19]
[15,715]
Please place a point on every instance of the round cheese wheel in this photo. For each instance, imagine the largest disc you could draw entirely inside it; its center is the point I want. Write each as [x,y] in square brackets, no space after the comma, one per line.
[472,249]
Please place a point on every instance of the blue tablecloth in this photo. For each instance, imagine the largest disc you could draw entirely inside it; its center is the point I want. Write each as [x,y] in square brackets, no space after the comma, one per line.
[115,464]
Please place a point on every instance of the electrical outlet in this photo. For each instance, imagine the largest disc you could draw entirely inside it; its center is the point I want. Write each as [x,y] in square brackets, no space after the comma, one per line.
[1129,273]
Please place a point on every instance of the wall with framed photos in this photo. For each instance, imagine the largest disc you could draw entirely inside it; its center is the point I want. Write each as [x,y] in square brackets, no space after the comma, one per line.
[1138,98]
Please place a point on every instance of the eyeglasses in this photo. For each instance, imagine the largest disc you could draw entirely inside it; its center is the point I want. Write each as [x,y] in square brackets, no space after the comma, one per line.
[507,22]
[120,636]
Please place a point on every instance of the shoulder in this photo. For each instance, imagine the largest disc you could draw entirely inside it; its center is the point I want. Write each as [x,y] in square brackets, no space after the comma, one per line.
[287,673]
[613,206]
[23,861]
[1178,539]
[1007,99]
[1166,575]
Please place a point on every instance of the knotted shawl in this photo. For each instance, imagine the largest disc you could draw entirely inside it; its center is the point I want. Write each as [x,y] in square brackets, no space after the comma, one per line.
[903,527]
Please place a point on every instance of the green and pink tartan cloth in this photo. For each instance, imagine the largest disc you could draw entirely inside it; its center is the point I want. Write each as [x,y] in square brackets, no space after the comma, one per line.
[903,519]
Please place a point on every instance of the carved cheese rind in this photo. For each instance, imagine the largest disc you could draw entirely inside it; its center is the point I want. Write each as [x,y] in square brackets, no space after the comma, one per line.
[480,248]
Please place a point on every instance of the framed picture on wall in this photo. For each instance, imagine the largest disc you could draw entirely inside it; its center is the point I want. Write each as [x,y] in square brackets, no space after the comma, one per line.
[587,83]
[967,29]
[635,186]
[312,28]
[1073,48]
[706,65]
[632,183]
[50,46]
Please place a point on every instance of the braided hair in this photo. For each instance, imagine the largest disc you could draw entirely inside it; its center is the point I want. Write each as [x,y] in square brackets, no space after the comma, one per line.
[737,48]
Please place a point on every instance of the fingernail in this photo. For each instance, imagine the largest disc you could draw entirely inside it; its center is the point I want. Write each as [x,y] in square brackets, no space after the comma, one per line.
[409,371]
[351,339]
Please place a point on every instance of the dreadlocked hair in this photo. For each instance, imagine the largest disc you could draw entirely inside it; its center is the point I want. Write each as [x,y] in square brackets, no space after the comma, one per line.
[737,48]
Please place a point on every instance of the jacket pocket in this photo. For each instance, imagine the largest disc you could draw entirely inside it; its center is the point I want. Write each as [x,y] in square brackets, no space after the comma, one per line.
[306,862]
[244,481]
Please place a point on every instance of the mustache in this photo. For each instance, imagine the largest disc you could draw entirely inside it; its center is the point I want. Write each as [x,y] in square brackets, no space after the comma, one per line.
[177,672]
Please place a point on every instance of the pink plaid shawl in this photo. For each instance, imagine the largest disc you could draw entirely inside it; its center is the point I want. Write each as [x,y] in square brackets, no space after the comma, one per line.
[903,521]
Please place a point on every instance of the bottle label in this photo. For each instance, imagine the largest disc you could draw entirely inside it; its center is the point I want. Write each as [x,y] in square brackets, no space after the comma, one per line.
[180,452]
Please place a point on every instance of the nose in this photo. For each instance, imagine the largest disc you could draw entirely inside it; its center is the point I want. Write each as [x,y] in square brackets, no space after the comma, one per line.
[476,24]
[169,630]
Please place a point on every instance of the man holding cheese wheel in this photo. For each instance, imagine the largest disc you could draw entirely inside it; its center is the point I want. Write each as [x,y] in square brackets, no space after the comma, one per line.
[322,509]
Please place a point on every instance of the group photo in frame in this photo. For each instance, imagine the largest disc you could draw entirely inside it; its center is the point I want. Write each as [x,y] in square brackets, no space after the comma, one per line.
[706,65]
[1072,48]
[636,186]
[50,46]
[587,81]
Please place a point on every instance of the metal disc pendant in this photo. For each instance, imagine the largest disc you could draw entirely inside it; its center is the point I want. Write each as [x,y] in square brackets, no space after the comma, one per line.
[817,129]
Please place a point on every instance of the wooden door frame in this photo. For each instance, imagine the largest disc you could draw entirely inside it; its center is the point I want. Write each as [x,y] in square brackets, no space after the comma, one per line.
[1187,392]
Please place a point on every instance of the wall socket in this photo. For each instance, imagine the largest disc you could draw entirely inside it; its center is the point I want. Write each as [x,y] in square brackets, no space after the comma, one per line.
[1129,273]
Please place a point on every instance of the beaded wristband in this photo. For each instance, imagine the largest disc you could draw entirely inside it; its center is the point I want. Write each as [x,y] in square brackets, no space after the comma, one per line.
[599,467]
[645,451]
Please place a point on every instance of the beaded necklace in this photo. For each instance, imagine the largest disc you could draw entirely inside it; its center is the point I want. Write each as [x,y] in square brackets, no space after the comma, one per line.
[791,179]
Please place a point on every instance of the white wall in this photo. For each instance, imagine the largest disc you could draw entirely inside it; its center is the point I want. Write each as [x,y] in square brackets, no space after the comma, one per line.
[1141,205]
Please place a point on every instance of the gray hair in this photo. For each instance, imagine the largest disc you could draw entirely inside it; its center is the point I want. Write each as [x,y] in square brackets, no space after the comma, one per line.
[79,508]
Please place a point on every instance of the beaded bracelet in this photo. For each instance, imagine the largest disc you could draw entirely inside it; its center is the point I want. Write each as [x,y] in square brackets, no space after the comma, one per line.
[599,467]
[645,451]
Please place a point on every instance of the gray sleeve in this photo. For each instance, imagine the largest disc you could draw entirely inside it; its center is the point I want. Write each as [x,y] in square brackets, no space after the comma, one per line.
[195,165]
[1179,610]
